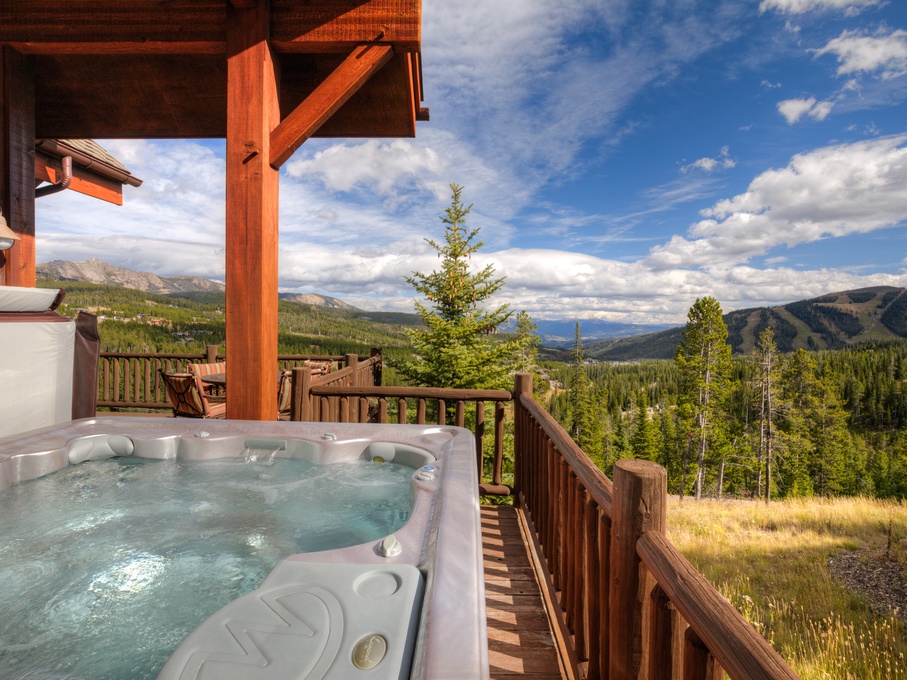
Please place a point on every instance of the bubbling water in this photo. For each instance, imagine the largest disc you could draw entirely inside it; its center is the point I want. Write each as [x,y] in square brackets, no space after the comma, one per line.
[106,566]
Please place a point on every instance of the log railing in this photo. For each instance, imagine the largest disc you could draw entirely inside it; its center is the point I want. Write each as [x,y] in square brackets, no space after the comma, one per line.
[627,603]
[129,380]
[343,400]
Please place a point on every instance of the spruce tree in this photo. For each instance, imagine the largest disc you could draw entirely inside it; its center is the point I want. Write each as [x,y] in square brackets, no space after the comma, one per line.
[768,379]
[456,348]
[704,359]
[583,423]
[645,440]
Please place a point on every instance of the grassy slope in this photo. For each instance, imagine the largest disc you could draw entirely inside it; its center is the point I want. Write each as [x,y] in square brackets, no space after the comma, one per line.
[771,562]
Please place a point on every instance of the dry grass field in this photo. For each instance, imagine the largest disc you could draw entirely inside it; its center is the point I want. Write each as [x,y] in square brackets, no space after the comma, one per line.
[784,566]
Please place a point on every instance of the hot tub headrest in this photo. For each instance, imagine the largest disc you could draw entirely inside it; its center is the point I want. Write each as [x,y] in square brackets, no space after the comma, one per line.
[100,446]
[402,454]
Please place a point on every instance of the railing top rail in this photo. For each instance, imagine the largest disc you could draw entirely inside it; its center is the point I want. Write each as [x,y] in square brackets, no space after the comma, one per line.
[312,357]
[740,650]
[593,479]
[414,392]
[149,355]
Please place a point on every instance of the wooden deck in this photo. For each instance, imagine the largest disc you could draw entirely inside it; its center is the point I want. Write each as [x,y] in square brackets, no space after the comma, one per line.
[520,641]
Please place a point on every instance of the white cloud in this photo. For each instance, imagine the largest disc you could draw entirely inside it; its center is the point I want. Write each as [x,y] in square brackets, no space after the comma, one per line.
[382,167]
[849,7]
[707,164]
[833,191]
[857,52]
[794,109]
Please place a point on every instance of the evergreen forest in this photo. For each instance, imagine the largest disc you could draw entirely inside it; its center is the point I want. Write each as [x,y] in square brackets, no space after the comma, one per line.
[840,421]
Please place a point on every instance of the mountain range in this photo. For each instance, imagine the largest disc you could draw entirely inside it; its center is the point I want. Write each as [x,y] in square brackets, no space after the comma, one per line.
[830,321]
[98,271]
[827,322]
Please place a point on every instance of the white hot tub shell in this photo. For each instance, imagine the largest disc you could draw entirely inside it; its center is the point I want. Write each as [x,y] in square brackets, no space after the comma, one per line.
[409,605]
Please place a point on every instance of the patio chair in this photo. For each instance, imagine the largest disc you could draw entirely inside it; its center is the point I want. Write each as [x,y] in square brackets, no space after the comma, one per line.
[188,398]
[284,393]
[208,369]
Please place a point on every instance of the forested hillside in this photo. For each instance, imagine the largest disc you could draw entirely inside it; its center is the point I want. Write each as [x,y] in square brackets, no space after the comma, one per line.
[138,321]
[828,322]
[841,418]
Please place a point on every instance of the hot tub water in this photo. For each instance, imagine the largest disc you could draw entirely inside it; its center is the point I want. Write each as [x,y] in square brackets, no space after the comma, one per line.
[106,566]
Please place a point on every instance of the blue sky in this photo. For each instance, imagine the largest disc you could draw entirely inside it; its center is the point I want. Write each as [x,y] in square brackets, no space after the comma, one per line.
[623,157]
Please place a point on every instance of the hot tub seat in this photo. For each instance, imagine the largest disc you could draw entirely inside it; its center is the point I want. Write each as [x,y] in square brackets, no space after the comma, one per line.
[331,621]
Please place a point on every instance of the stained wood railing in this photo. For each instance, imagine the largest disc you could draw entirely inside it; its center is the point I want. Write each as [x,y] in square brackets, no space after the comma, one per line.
[627,603]
[343,400]
[129,380]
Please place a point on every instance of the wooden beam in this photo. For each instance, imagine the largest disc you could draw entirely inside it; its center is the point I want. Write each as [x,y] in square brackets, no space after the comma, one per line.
[329,96]
[49,169]
[154,27]
[252,196]
[17,167]
[340,25]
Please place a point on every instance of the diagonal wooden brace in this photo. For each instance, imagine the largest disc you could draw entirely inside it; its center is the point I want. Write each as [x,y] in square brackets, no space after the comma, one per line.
[324,101]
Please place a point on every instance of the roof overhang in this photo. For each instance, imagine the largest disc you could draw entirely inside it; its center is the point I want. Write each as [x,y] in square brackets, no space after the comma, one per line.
[146,69]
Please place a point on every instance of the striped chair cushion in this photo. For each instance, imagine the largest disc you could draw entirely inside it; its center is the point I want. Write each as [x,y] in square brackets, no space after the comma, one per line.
[187,397]
[318,367]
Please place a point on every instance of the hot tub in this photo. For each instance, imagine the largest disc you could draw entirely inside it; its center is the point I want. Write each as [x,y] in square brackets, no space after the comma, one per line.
[410,604]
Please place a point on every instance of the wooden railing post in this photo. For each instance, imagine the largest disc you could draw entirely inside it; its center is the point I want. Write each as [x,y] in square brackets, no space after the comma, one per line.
[301,401]
[639,505]
[352,361]
[210,354]
[376,366]
[522,384]
[698,662]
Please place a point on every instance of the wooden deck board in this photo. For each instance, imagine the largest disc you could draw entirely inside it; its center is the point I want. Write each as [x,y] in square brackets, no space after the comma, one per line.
[520,643]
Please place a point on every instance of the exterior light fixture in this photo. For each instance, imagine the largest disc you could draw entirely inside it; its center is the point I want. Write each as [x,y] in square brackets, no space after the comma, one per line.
[7,235]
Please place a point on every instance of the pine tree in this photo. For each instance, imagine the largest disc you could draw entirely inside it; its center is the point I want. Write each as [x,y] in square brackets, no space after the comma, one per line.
[645,440]
[768,372]
[583,423]
[455,349]
[704,360]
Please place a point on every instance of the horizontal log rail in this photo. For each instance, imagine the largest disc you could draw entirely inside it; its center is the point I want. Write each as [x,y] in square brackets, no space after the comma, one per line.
[129,380]
[340,401]
[625,602]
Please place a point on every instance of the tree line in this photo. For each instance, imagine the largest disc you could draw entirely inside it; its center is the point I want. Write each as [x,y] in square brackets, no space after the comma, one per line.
[767,425]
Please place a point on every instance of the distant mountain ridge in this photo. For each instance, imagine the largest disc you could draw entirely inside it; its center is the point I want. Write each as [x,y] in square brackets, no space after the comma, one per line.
[830,321]
[98,271]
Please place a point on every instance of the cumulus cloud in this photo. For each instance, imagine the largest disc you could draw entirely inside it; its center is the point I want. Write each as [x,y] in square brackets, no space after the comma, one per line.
[830,192]
[881,54]
[849,7]
[794,109]
[707,164]
[378,166]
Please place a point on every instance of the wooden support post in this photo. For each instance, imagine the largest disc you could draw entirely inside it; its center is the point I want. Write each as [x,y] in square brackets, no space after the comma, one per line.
[17,165]
[252,195]
[639,505]
[211,354]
